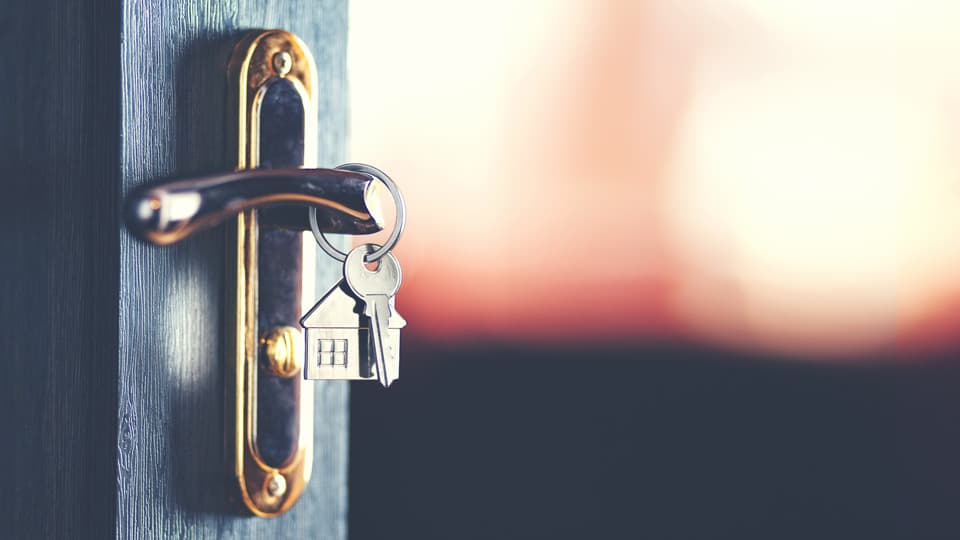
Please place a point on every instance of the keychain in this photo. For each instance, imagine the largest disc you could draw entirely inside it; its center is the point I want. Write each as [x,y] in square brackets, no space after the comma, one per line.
[353,332]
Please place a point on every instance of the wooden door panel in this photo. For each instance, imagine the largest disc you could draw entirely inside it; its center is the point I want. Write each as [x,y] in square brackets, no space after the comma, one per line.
[59,250]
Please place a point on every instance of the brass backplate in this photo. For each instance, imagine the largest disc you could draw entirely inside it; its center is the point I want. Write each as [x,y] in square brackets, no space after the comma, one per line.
[269,482]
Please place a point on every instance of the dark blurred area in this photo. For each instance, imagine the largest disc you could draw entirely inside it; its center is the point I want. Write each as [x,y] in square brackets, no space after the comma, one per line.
[657,441]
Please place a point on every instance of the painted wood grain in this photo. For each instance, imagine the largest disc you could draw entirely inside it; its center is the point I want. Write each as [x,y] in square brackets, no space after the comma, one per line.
[59,259]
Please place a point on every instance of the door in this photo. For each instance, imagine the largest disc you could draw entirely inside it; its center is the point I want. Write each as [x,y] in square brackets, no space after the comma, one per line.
[115,384]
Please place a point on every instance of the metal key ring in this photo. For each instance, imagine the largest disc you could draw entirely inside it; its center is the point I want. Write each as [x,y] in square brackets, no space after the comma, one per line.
[377,254]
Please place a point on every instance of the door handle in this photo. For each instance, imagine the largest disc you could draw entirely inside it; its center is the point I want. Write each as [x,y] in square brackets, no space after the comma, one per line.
[167,211]
[270,270]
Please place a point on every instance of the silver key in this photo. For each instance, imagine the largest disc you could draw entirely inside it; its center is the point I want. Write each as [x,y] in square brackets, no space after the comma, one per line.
[376,288]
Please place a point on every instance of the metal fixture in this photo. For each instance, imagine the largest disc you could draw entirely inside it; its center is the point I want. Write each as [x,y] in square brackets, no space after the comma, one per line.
[270,259]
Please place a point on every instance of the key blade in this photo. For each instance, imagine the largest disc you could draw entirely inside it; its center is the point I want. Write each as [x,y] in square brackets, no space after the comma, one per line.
[386,348]
[379,317]
[376,289]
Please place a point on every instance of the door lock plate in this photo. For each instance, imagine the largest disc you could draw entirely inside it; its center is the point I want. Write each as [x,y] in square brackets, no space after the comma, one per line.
[269,405]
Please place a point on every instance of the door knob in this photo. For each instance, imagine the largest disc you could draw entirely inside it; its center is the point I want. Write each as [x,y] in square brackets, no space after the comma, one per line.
[265,203]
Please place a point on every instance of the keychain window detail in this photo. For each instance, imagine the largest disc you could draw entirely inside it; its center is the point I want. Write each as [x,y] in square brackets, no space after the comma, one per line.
[333,352]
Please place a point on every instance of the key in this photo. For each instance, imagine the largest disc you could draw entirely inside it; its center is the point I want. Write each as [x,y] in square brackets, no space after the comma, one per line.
[376,289]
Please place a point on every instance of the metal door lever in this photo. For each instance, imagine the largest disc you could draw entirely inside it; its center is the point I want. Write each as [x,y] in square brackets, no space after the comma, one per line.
[167,211]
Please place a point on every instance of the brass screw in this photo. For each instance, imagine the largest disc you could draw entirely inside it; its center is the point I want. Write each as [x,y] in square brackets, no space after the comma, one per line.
[276,485]
[283,351]
[282,62]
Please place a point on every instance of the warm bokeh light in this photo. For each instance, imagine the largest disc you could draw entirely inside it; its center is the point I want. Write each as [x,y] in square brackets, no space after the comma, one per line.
[780,175]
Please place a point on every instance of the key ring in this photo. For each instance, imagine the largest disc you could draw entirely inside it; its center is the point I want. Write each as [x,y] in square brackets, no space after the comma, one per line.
[377,254]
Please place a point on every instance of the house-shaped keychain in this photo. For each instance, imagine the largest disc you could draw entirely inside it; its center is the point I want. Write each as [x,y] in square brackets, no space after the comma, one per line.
[338,338]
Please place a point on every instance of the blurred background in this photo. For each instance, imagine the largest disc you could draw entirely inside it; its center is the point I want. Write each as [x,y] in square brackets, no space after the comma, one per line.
[672,269]
[752,173]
